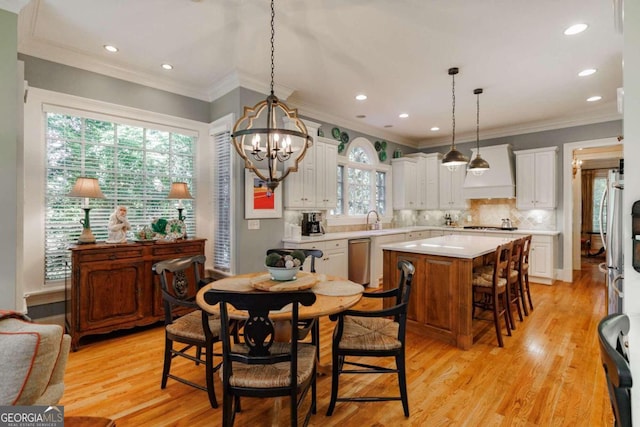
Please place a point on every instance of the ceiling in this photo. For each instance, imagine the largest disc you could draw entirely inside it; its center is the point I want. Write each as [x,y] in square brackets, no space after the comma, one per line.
[327,51]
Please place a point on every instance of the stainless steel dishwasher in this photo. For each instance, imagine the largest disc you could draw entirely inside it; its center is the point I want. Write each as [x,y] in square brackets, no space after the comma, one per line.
[359,271]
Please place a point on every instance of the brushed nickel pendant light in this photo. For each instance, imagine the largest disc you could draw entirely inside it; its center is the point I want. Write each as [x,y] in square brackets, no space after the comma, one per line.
[454,158]
[478,165]
[268,141]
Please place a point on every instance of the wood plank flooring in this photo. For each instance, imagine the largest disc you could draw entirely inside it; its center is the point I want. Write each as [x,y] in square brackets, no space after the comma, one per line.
[548,374]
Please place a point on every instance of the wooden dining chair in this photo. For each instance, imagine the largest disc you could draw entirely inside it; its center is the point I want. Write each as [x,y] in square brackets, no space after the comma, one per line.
[259,366]
[375,333]
[524,273]
[612,336]
[179,281]
[490,289]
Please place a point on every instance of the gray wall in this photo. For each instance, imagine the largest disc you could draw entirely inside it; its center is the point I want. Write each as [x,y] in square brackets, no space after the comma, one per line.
[74,81]
[9,123]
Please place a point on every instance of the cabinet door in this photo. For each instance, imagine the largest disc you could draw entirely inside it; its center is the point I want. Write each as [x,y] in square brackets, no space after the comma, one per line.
[525,181]
[405,185]
[110,293]
[540,260]
[545,180]
[326,175]
[432,190]
[299,187]
[336,259]
[457,183]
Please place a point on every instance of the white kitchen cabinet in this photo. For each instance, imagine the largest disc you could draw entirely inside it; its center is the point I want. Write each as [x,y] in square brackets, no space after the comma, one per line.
[326,173]
[451,185]
[376,255]
[542,259]
[405,183]
[536,172]
[335,259]
[428,180]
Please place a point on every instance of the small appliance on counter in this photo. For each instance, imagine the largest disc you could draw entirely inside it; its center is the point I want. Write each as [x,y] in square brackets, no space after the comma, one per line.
[312,224]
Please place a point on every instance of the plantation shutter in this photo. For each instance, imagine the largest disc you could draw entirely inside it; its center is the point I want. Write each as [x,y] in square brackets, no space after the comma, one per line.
[222,202]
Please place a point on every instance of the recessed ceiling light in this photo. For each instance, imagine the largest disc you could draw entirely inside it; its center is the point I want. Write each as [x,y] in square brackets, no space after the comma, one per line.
[361,97]
[360,116]
[403,115]
[575,29]
[388,126]
[594,98]
[435,128]
[110,48]
[167,66]
[587,72]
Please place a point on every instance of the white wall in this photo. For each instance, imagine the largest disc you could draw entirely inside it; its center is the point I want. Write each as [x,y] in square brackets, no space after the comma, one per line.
[631,79]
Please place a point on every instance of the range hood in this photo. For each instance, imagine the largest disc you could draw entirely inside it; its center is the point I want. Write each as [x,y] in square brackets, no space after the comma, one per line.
[496,183]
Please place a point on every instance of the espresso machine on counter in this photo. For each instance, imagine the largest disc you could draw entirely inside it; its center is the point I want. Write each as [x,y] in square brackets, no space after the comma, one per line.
[312,224]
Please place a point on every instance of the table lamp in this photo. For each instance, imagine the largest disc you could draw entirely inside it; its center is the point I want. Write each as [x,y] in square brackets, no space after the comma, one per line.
[180,191]
[87,188]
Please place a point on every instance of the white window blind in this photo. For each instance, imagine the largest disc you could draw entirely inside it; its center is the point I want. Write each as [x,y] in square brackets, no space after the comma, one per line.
[135,164]
[222,202]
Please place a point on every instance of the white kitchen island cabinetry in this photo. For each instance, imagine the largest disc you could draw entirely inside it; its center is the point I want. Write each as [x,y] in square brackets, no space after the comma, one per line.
[405,183]
[335,260]
[451,184]
[536,172]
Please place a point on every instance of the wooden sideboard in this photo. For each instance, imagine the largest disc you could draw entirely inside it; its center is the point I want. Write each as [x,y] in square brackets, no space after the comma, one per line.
[113,286]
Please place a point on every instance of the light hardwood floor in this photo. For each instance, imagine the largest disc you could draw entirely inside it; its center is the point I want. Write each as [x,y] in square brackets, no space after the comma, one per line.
[548,374]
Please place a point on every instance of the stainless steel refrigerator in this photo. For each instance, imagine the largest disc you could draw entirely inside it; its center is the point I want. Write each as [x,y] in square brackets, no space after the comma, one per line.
[612,239]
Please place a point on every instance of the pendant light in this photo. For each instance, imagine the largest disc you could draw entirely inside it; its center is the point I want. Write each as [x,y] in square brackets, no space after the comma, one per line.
[454,158]
[478,165]
[266,140]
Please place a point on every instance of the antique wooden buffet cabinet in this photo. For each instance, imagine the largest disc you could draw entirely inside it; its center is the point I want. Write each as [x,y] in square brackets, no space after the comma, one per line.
[113,286]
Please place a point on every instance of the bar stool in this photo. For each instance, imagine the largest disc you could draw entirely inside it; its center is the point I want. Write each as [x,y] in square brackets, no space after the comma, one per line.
[515,280]
[490,289]
[524,274]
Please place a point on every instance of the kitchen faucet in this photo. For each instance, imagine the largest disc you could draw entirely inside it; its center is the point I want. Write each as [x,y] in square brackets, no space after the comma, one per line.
[375,226]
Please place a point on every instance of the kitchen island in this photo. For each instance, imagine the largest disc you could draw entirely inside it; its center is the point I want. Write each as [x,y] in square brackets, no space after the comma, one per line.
[440,304]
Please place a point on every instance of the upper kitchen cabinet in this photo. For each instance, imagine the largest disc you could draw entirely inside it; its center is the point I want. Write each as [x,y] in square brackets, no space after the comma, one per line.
[536,172]
[405,183]
[428,179]
[314,186]
[451,188]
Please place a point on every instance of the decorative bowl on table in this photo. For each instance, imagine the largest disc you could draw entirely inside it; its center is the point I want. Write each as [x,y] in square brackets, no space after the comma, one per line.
[284,266]
[283,274]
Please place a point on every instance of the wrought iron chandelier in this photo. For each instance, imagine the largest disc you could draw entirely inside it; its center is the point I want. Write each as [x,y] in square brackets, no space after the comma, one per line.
[478,165]
[257,138]
[454,158]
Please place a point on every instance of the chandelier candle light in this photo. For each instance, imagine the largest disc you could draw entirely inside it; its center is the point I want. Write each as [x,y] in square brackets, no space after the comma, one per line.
[86,188]
[478,165]
[179,191]
[454,158]
[268,142]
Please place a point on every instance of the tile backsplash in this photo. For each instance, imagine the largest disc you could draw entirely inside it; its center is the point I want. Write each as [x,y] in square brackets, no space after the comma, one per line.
[487,212]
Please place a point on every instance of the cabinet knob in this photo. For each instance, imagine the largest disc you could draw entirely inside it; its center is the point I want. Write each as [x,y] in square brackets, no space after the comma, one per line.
[112,257]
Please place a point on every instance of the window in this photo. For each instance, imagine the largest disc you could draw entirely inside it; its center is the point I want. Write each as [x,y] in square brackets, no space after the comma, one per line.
[135,166]
[599,186]
[362,182]
[223,197]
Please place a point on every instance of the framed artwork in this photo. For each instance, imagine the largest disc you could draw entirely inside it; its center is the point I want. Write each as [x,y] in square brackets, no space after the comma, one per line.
[259,201]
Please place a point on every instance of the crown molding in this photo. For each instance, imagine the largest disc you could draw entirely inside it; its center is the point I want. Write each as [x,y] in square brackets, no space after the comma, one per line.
[236,78]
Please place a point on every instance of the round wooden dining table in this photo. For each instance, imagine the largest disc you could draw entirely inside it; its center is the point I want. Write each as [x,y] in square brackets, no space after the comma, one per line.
[333,294]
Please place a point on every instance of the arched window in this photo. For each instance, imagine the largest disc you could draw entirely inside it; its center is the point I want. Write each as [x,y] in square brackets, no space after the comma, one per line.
[362,182]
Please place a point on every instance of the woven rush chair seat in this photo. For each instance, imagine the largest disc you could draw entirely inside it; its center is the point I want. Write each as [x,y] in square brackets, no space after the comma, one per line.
[484,279]
[369,333]
[276,375]
[190,326]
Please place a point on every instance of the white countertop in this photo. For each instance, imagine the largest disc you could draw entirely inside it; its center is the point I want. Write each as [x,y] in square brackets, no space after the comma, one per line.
[455,246]
[388,231]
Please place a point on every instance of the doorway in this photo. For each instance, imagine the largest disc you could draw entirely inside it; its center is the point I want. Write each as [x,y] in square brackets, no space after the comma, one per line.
[602,154]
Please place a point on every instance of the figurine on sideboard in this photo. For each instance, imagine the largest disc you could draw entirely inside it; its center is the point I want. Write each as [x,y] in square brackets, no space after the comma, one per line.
[118,225]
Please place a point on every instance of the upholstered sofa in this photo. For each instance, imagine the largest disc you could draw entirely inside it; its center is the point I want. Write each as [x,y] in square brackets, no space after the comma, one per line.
[33,358]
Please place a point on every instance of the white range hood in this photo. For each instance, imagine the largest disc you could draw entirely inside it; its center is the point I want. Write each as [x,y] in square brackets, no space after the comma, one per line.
[496,183]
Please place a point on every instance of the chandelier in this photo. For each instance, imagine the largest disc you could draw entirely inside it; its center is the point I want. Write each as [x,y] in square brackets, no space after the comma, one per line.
[478,165]
[454,158]
[257,137]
